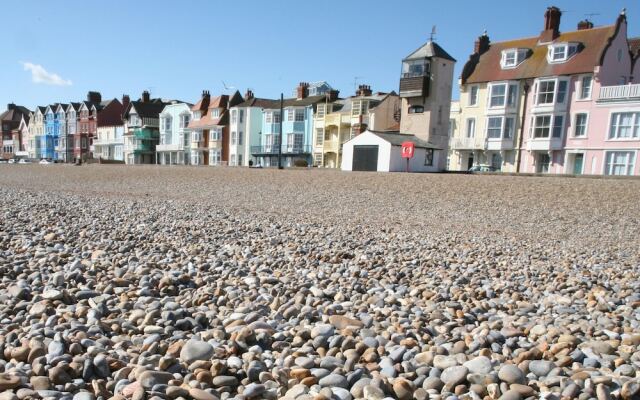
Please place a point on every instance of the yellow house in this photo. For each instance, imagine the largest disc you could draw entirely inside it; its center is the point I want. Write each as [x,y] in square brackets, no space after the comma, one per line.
[338,121]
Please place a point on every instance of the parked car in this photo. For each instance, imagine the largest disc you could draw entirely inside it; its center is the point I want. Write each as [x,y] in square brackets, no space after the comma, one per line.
[3,161]
[12,161]
[23,161]
[483,168]
[44,161]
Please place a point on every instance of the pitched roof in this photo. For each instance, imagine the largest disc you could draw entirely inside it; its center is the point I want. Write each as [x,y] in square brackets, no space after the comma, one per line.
[634,46]
[14,115]
[294,102]
[259,102]
[486,67]
[429,50]
[150,109]
[397,138]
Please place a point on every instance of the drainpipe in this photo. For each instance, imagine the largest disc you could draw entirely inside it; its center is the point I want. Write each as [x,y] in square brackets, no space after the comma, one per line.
[520,137]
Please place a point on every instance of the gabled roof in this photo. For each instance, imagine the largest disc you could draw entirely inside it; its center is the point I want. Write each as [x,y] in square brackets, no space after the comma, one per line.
[634,46]
[72,105]
[593,42]
[397,138]
[429,50]
[150,109]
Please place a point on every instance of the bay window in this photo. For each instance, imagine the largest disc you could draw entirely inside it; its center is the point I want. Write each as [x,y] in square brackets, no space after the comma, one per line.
[497,95]
[545,126]
[619,162]
[550,91]
[624,125]
[500,127]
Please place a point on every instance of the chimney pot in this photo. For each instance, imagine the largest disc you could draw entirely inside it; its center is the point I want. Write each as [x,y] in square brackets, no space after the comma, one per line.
[586,24]
[551,25]
[146,97]
[482,44]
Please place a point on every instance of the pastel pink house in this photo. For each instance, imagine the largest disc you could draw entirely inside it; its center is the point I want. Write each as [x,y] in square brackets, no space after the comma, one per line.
[576,104]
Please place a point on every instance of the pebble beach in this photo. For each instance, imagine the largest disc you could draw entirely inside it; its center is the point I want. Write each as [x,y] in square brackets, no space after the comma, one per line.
[232,283]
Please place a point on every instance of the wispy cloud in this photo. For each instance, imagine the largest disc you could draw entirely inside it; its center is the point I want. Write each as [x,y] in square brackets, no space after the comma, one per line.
[41,75]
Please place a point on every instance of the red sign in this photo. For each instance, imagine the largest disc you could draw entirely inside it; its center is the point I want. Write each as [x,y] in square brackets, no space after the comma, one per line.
[408,148]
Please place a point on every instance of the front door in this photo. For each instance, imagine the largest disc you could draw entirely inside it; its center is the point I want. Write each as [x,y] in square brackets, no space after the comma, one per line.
[365,158]
[578,161]
[542,166]
[470,162]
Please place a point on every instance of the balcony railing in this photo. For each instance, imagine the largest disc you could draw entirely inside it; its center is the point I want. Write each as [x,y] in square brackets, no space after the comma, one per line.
[466,143]
[621,92]
[143,148]
[170,147]
[286,150]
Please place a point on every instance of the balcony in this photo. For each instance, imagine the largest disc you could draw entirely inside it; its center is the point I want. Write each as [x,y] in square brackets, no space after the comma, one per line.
[143,148]
[466,143]
[332,146]
[499,144]
[286,150]
[337,119]
[414,86]
[145,134]
[544,144]
[619,93]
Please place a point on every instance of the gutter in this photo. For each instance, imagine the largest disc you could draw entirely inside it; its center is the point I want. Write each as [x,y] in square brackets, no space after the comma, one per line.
[522,119]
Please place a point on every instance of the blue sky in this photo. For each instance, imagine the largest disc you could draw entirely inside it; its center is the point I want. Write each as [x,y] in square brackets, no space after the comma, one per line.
[176,49]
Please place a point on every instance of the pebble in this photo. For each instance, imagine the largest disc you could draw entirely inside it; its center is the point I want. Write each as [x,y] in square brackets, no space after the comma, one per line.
[424,288]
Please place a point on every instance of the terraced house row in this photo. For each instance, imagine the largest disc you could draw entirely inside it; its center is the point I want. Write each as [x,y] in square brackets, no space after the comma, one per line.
[557,102]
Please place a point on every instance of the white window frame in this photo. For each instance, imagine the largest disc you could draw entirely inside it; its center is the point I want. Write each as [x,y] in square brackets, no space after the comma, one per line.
[575,125]
[240,138]
[215,113]
[491,95]
[474,94]
[320,111]
[215,134]
[630,165]
[557,82]
[552,127]
[561,52]
[298,115]
[512,58]
[470,128]
[290,114]
[580,94]
[507,125]
[635,126]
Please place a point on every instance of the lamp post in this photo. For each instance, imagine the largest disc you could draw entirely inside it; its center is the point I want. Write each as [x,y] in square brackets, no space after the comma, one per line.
[280,133]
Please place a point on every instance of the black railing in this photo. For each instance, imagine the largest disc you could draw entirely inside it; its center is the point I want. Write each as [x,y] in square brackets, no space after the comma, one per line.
[286,150]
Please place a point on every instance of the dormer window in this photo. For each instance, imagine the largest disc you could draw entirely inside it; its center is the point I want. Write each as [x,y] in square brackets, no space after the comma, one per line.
[215,113]
[561,52]
[511,58]
[196,115]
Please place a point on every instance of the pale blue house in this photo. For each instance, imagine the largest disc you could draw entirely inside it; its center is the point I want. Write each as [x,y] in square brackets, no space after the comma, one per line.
[297,128]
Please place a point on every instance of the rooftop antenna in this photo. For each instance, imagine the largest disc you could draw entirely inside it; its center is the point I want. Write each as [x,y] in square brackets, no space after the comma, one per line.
[227,88]
[433,34]
[355,82]
[589,16]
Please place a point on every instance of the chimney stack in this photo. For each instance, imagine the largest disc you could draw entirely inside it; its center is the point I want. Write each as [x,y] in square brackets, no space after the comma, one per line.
[125,100]
[11,106]
[482,44]
[364,90]
[146,97]
[586,24]
[303,90]
[551,25]
[333,95]
[94,97]
[249,95]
